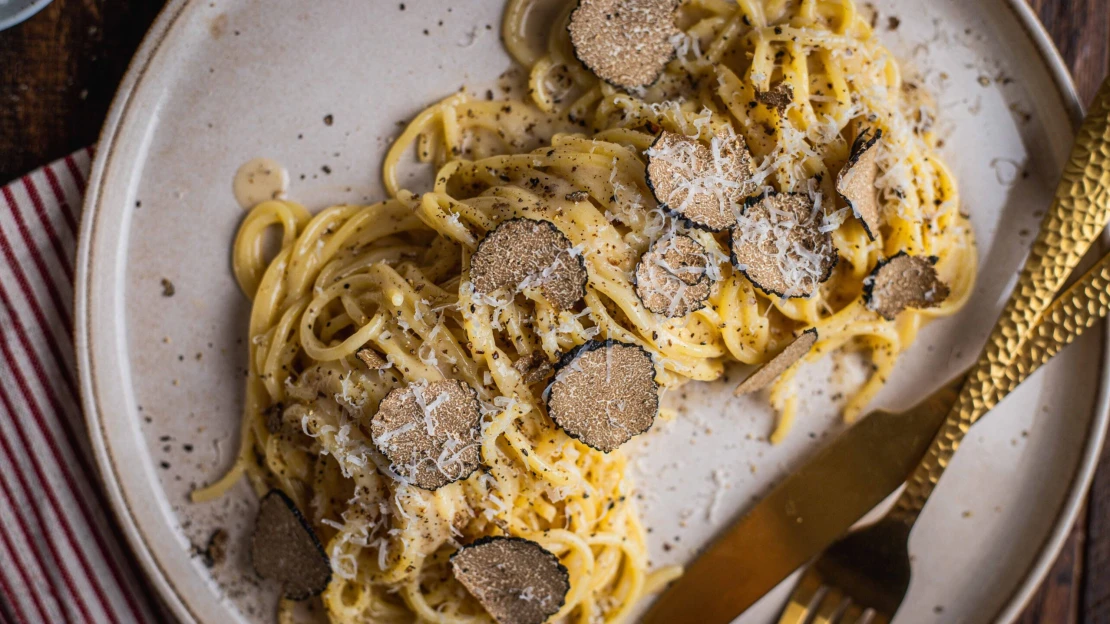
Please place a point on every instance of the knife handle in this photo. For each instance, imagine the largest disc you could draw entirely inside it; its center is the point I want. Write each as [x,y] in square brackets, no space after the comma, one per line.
[1079,213]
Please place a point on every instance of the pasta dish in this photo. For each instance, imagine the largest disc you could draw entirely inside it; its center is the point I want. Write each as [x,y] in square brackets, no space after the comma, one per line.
[439,383]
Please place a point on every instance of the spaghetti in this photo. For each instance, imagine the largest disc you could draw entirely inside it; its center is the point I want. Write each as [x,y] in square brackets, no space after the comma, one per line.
[393,278]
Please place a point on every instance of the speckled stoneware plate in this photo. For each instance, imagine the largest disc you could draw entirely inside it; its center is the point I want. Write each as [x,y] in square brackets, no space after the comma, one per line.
[218,82]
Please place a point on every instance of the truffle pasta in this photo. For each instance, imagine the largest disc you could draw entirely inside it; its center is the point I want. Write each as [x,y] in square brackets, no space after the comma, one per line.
[362,301]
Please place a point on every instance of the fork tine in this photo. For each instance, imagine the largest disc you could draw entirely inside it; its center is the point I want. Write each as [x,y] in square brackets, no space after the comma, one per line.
[832,605]
[853,614]
[878,617]
[802,600]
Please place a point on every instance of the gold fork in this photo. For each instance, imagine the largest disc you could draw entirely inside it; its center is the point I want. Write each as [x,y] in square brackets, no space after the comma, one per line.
[864,576]
[868,572]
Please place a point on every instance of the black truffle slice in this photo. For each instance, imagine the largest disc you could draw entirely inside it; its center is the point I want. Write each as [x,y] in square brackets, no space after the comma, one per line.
[672,277]
[856,182]
[903,281]
[285,549]
[701,183]
[764,375]
[372,360]
[533,367]
[273,417]
[429,431]
[524,252]
[777,98]
[515,579]
[604,393]
[627,43]
[778,244]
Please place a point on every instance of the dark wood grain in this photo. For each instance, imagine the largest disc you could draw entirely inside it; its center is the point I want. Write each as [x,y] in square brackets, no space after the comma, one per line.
[1081,30]
[1095,590]
[59,70]
[58,73]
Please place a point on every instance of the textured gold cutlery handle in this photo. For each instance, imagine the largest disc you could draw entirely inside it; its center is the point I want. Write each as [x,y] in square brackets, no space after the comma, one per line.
[1083,305]
[1079,212]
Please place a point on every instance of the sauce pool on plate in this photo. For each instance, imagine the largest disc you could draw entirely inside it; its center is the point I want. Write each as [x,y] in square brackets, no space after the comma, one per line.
[258,180]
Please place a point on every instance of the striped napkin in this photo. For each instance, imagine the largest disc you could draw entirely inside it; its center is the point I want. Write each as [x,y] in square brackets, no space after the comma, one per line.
[62,557]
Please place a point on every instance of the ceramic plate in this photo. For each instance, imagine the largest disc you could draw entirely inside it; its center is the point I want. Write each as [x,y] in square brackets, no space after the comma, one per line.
[218,82]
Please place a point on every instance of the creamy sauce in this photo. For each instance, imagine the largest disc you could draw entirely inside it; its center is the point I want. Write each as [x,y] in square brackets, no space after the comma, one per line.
[259,180]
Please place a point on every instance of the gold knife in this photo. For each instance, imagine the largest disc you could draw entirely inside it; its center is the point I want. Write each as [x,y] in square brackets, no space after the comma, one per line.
[805,513]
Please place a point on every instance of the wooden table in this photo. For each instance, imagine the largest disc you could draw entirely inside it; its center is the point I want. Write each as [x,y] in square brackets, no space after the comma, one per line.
[59,70]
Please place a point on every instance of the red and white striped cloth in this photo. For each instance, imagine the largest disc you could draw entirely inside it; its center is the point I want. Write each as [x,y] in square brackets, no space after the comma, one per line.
[62,558]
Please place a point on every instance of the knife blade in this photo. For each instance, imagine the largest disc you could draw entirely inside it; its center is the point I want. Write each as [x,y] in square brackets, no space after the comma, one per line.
[804,514]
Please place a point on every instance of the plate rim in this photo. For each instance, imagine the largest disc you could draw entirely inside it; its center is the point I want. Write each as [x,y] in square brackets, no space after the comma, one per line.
[139,545]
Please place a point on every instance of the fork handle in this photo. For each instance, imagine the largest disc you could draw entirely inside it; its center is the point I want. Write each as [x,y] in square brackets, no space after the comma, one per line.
[1079,213]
